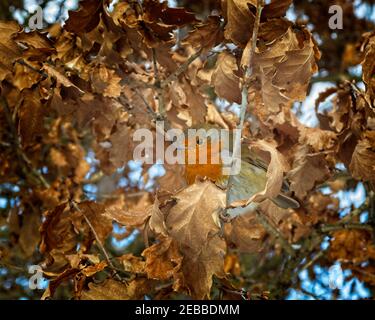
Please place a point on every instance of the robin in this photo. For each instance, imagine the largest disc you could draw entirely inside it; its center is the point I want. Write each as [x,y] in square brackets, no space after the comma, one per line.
[251,179]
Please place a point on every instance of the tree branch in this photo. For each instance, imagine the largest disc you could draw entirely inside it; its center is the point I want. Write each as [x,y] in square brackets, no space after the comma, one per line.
[244,94]
[182,68]
[346,226]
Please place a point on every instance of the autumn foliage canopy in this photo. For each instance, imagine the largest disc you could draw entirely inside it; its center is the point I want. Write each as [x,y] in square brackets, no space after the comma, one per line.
[72,96]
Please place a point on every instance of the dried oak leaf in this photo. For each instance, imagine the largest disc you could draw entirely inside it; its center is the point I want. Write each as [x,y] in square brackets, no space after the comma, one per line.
[58,235]
[156,11]
[94,269]
[115,143]
[105,81]
[308,170]
[245,233]
[206,35]
[351,246]
[240,16]
[200,266]
[95,213]
[53,284]
[225,79]
[23,78]
[35,39]
[320,140]
[195,216]
[29,234]
[132,263]
[138,215]
[86,18]
[115,290]
[362,165]
[276,9]
[173,180]
[339,117]
[9,50]
[368,64]
[61,79]
[163,260]
[284,67]
[240,20]
[193,223]
[185,95]
[31,117]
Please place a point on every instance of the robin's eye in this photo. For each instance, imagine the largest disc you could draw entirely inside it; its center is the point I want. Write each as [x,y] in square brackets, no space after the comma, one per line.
[199,141]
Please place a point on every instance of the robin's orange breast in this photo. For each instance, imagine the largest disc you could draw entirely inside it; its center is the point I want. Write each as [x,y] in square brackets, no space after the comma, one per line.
[202,160]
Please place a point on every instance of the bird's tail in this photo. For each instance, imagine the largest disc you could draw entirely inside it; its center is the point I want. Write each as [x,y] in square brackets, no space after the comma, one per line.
[285,202]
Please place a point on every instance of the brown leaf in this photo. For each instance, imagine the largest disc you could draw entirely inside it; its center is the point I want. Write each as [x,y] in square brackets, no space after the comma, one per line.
[9,51]
[200,266]
[92,270]
[173,180]
[95,213]
[284,67]
[86,18]
[31,117]
[368,63]
[224,78]
[308,170]
[138,214]
[163,260]
[195,216]
[156,222]
[245,233]
[156,11]
[240,21]
[29,233]
[34,39]
[206,35]
[52,72]
[362,165]
[58,235]
[319,139]
[105,81]
[23,78]
[132,263]
[115,290]
[276,9]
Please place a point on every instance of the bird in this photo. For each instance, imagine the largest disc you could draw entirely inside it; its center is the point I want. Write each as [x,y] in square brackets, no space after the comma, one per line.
[251,179]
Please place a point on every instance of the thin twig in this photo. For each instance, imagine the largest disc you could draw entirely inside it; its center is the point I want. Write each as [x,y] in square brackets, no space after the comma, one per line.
[181,69]
[100,244]
[150,110]
[346,226]
[273,231]
[24,63]
[356,212]
[12,267]
[319,255]
[308,293]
